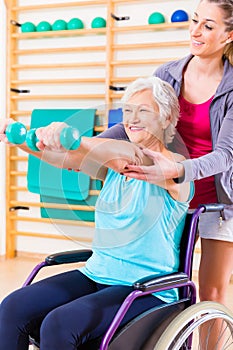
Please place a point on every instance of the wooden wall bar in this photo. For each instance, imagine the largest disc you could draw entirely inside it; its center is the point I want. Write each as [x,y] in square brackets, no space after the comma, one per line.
[72,69]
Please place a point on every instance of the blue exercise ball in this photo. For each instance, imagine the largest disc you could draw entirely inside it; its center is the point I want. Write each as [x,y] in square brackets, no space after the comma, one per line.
[179,16]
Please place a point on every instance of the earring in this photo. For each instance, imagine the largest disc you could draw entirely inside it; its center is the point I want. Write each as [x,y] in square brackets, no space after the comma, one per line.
[228,41]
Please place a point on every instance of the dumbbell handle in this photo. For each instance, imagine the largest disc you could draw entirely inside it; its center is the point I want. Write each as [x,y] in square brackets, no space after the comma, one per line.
[16,133]
[69,138]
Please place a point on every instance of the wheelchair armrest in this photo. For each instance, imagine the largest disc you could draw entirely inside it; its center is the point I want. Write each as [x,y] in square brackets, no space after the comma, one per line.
[153,282]
[212,207]
[67,257]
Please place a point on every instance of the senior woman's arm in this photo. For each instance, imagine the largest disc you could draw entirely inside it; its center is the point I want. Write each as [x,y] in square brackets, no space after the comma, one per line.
[93,156]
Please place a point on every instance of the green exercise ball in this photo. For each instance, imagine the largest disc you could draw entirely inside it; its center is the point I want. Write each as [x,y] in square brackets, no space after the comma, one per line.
[75,23]
[156,18]
[28,27]
[43,26]
[98,22]
[59,24]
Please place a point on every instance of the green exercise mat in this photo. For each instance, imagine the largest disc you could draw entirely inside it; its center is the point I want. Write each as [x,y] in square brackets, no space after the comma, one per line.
[55,184]
[72,214]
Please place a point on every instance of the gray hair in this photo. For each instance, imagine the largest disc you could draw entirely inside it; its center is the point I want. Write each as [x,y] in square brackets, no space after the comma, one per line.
[165,98]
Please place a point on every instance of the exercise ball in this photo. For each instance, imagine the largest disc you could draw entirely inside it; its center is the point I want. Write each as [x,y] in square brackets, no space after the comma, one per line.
[59,24]
[43,26]
[179,16]
[75,23]
[156,18]
[28,27]
[98,22]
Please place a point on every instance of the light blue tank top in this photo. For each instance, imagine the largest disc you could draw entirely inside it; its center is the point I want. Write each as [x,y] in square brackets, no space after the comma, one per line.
[138,232]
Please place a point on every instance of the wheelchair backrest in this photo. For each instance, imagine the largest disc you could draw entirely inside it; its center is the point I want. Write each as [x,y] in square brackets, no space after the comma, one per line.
[188,243]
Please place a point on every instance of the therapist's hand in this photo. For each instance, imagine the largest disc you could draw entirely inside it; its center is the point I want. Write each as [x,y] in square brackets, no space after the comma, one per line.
[162,168]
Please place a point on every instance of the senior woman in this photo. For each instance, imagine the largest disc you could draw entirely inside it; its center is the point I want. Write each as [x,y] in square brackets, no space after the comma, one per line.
[138,229]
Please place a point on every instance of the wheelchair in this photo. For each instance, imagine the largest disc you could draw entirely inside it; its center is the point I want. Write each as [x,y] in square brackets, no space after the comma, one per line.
[169,326]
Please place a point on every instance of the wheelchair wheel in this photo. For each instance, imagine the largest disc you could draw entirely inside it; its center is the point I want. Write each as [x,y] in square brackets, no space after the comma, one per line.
[184,332]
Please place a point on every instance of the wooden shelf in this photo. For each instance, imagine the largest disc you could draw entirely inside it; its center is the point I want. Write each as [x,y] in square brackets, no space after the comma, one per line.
[58,33]
[58,5]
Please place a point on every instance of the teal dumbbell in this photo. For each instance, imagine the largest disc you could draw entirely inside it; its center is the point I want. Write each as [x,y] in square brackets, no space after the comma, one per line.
[16,133]
[31,139]
[69,138]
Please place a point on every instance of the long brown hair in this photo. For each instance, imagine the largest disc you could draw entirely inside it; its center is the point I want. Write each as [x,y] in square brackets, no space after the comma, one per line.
[227,8]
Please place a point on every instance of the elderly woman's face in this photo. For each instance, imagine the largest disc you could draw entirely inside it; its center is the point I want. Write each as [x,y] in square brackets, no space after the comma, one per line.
[142,120]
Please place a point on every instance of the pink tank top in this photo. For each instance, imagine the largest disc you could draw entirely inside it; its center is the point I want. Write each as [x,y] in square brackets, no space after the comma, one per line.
[194,128]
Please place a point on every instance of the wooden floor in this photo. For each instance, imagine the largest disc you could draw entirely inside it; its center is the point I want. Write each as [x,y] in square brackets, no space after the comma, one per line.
[13,273]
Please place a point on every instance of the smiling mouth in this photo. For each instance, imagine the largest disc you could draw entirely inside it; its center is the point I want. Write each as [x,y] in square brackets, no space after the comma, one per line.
[135,128]
[197,43]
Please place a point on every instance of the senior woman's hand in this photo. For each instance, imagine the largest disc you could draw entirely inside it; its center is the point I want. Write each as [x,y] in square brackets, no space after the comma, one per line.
[49,137]
[162,168]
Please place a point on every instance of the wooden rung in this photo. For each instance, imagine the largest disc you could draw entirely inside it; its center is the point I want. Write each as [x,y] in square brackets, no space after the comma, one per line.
[47,51]
[18,188]
[119,47]
[152,27]
[151,45]
[58,34]
[19,158]
[25,189]
[58,65]
[124,79]
[52,205]
[56,97]
[155,61]
[89,64]
[50,235]
[58,81]
[59,5]
[48,220]
[28,113]
[18,173]
[20,113]
[116,96]
[131,1]
[99,128]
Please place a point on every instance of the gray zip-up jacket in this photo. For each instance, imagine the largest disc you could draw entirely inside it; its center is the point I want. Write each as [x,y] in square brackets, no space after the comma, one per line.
[220,161]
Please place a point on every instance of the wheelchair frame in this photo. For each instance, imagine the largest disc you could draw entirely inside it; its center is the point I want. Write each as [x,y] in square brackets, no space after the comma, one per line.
[145,286]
